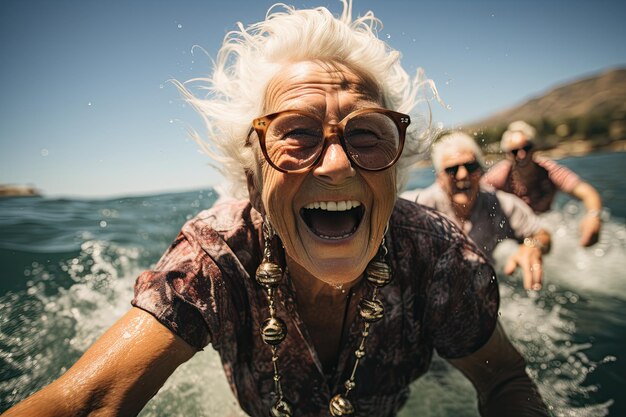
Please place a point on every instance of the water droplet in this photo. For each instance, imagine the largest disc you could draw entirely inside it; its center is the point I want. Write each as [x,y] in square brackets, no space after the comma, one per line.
[161,86]
[180,26]
[103,223]
[388,36]
[44,152]
[89,104]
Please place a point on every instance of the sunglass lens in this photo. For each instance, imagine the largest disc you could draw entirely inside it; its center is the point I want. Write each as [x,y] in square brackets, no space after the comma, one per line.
[526,149]
[452,170]
[372,140]
[294,141]
[472,167]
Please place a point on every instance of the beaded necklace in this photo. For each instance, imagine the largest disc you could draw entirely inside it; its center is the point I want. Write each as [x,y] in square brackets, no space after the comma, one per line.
[273,330]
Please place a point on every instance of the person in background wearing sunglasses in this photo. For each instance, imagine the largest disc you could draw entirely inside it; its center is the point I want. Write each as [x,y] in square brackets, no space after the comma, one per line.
[487,217]
[537,179]
[321,291]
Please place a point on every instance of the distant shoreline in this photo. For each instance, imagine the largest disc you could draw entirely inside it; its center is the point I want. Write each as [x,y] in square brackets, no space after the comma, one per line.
[563,150]
[18,191]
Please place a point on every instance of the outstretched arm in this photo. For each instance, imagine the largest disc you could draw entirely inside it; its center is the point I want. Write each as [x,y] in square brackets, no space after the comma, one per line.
[117,375]
[498,373]
[591,222]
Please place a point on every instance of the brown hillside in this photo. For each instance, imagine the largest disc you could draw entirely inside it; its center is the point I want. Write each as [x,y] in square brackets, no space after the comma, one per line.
[601,94]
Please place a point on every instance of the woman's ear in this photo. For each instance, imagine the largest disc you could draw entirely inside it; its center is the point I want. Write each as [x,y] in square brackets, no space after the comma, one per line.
[254,192]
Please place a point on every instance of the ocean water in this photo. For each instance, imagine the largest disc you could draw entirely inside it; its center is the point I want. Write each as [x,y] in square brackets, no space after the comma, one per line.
[69,268]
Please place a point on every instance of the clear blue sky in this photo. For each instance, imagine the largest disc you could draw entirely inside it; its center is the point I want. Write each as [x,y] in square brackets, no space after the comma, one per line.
[85,109]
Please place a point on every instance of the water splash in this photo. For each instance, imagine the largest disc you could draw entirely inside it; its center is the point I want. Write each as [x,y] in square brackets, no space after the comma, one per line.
[71,319]
[555,329]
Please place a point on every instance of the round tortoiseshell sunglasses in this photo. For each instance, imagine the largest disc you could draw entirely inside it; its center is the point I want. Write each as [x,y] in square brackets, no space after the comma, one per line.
[294,140]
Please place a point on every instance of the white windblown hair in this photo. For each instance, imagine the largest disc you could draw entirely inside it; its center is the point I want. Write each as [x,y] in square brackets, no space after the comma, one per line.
[518,126]
[250,57]
[452,143]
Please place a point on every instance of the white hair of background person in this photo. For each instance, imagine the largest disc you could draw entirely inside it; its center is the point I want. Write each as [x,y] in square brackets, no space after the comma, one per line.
[233,95]
[455,142]
[520,126]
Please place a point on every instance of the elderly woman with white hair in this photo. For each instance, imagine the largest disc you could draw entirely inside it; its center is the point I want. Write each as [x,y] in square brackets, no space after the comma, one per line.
[536,179]
[487,217]
[321,291]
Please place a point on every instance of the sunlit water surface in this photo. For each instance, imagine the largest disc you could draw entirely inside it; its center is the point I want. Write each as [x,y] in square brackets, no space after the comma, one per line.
[69,267]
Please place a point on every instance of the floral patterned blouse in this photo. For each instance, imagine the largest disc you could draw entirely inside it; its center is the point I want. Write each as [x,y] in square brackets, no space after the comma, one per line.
[443,296]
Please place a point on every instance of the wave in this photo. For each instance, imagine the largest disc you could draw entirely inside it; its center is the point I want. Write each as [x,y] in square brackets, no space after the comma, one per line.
[570,333]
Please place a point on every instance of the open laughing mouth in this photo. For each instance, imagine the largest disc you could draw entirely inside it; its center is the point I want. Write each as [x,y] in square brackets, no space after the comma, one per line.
[333,219]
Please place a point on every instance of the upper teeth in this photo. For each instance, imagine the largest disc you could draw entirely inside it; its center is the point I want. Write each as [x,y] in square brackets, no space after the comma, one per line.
[333,205]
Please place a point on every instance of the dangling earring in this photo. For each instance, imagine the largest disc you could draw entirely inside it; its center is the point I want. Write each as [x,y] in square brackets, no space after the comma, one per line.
[378,274]
[273,330]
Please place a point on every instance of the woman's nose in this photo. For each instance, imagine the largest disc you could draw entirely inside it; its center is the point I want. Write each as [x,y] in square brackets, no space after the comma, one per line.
[335,166]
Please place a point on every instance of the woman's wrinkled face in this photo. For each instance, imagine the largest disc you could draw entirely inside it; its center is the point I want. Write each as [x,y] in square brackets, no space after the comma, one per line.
[331,218]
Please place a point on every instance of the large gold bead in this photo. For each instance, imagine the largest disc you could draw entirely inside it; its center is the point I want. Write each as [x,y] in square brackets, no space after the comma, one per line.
[340,406]
[378,273]
[269,274]
[281,409]
[273,331]
[371,310]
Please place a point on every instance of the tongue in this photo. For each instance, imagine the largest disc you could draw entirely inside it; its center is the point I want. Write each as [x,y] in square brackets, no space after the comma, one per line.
[331,223]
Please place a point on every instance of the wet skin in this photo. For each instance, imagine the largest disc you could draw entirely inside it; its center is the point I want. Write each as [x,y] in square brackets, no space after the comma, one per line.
[333,247]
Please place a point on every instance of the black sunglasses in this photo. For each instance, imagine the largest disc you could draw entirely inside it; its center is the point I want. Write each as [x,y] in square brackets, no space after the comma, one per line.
[525,148]
[469,166]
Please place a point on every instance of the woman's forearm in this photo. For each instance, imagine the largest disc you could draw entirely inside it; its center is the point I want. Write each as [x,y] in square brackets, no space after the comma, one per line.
[498,372]
[116,376]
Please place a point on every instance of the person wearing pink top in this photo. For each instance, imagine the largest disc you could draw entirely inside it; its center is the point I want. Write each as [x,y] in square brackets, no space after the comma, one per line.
[536,179]
[487,217]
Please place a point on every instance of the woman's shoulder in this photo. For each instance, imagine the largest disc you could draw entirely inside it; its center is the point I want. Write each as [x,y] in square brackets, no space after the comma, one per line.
[225,218]
[414,219]
[425,234]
